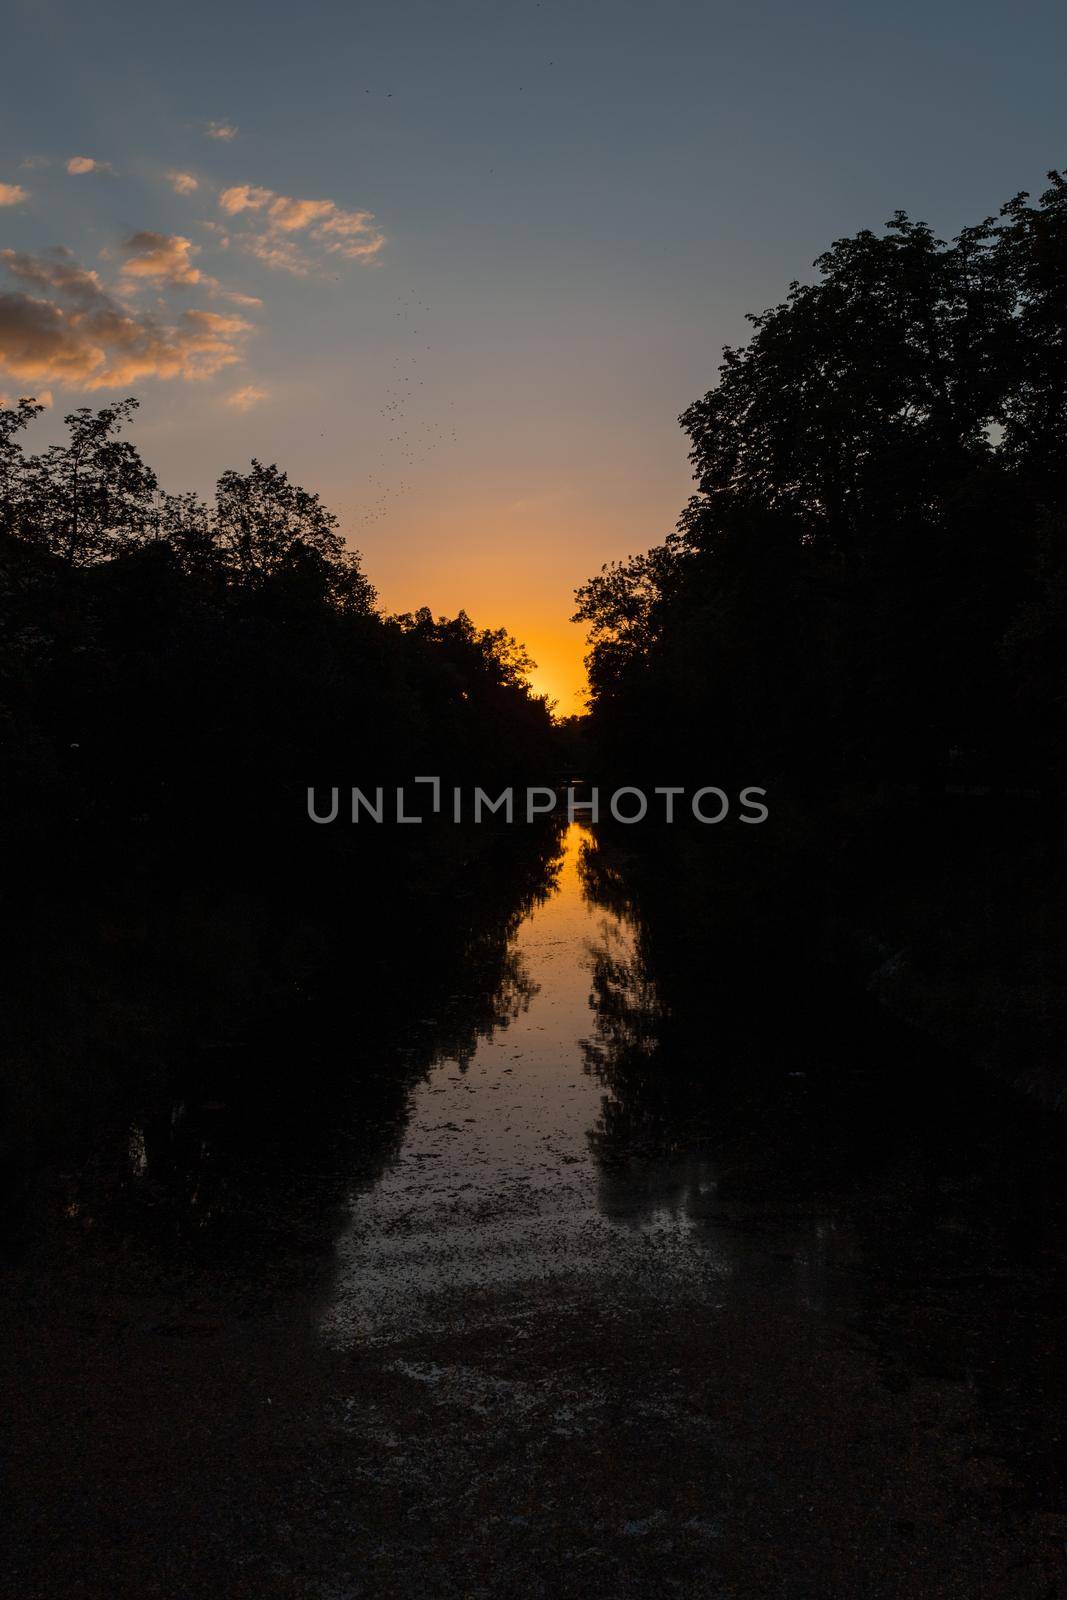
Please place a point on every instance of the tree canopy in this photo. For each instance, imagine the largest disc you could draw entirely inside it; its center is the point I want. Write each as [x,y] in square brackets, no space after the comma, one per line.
[157,649]
[868,580]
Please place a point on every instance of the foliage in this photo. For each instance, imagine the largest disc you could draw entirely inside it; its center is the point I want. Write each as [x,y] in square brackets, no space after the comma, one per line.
[174,667]
[867,585]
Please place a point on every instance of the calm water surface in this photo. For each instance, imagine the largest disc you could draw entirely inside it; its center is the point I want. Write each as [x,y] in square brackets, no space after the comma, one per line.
[669,1282]
[496,1183]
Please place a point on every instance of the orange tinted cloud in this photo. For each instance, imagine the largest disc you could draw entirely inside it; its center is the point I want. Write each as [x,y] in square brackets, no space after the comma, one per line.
[12,194]
[77,165]
[243,197]
[221,130]
[56,270]
[276,252]
[244,399]
[43,397]
[183,182]
[162,258]
[73,331]
[352,235]
[289,215]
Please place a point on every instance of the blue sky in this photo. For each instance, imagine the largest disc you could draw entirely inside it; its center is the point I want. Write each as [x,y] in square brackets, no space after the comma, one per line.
[573,207]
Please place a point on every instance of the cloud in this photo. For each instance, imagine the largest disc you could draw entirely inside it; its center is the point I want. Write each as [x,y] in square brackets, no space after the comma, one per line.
[77,165]
[276,252]
[72,331]
[244,197]
[163,258]
[221,130]
[351,235]
[244,399]
[290,216]
[12,194]
[43,397]
[57,270]
[183,182]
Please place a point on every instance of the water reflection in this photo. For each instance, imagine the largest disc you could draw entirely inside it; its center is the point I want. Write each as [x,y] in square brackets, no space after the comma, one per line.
[214,1068]
[501,1180]
[645,1119]
[547,1227]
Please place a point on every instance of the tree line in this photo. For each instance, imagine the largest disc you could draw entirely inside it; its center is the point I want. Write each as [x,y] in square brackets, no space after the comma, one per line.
[174,666]
[868,586]
[863,608]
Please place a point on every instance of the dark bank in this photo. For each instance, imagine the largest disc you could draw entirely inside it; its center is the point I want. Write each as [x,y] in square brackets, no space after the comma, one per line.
[563,1209]
[597,1262]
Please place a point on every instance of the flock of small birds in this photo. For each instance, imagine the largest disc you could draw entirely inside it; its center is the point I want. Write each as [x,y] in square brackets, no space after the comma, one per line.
[411,437]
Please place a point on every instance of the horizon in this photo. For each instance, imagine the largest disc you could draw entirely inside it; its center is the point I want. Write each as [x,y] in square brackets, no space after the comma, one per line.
[460,273]
[479,1121]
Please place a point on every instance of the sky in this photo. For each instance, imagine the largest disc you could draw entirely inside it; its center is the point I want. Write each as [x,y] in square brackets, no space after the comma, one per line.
[459,267]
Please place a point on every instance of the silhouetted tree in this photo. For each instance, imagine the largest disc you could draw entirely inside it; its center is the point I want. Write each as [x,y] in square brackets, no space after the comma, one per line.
[879,491]
[155,648]
[266,524]
[13,463]
[93,495]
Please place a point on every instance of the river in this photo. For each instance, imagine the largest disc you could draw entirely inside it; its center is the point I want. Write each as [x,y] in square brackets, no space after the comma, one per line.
[622,1305]
[496,1189]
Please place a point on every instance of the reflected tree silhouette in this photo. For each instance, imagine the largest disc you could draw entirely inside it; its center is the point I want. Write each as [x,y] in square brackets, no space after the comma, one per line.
[217,1073]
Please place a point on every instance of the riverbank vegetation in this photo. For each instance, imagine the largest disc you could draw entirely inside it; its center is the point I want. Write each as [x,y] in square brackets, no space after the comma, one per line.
[178,671]
[863,609]
[174,675]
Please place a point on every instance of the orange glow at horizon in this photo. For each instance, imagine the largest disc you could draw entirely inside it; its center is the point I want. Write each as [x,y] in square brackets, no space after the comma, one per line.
[558,649]
[506,569]
[560,670]
[516,562]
